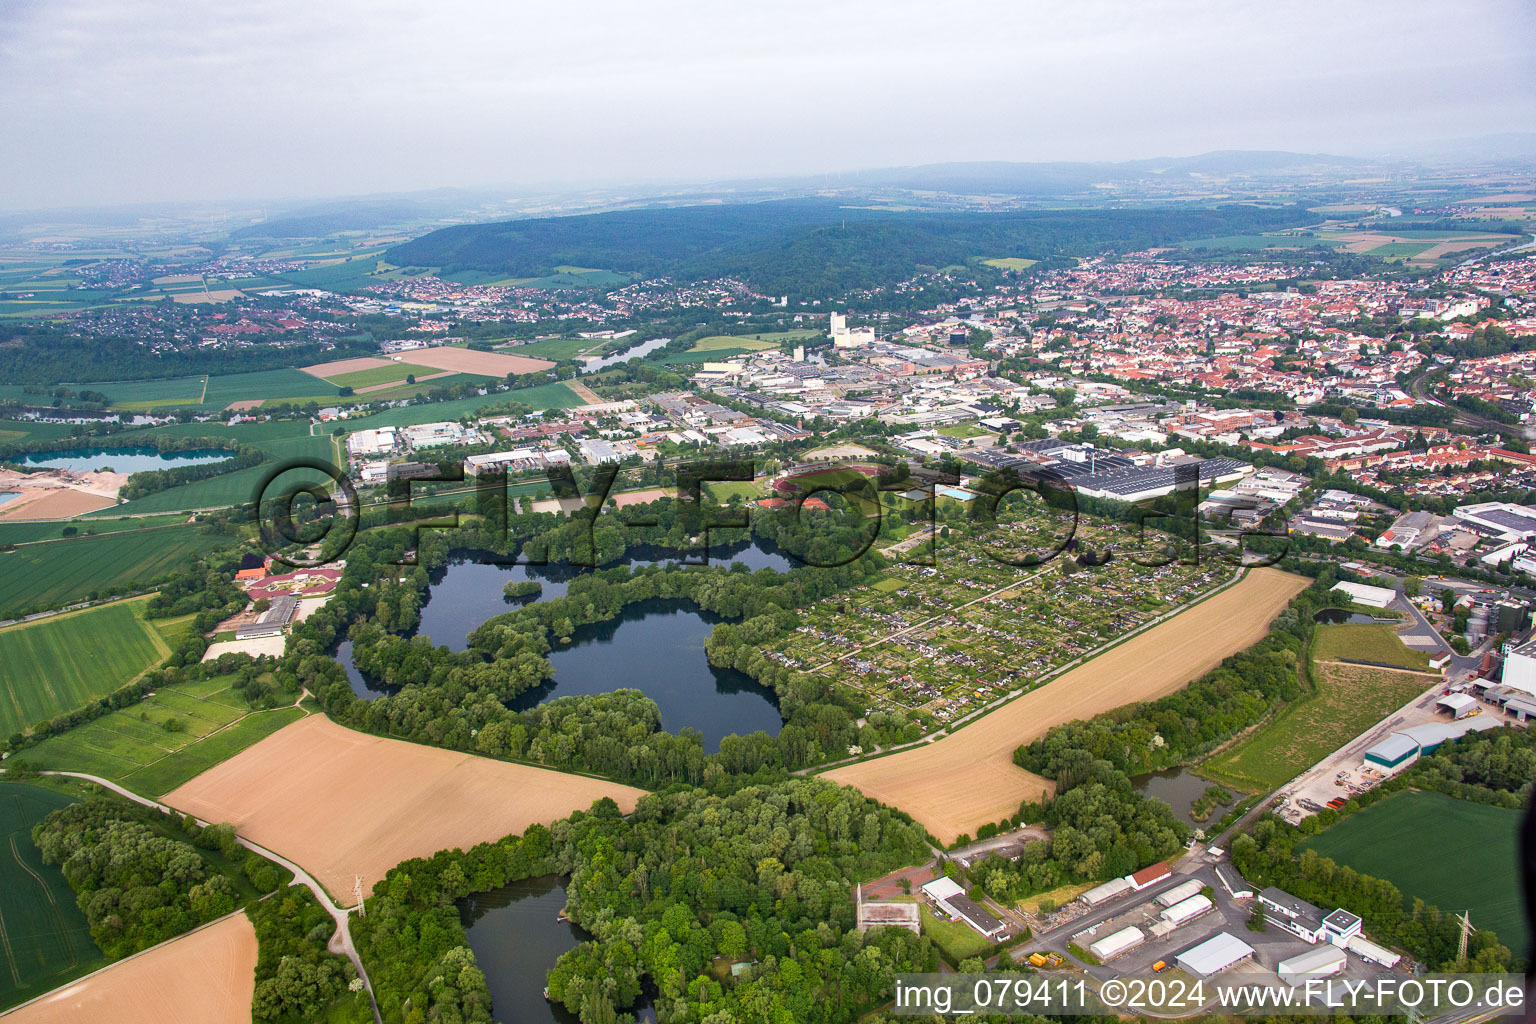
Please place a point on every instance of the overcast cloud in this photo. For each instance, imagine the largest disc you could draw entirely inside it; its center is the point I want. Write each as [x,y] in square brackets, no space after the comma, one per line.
[107,102]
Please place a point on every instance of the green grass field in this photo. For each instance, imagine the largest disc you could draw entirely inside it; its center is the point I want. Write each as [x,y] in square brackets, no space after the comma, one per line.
[722,491]
[555,348]
[752,342]
[132,746]
[1366,642]
[60,663]
[554,395]
[956,938]
[1400,250]
[28,533]
[381,375]
[964,430]
[1350,699]
[47,941]
[1010,263]
[1414,839]
[217,393]
[39,576]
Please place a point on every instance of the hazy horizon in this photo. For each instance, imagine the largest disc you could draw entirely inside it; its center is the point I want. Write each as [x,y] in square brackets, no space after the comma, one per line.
[138,102]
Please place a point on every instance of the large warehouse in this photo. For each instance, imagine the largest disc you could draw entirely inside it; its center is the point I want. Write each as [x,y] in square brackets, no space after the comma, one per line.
[949,897]
[1111,946]
[1214,955]
[1373,597]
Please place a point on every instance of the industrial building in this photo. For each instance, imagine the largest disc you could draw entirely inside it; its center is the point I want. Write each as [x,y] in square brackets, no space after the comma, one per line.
[1402,748]
[271,622]
[1233,881]
[1368,950]
[1292,913]
[1372,597]
[1180,893]
[1322,962]
[1185,911]
[949,897]
[1122,941]
[1106,892]
[1214,955]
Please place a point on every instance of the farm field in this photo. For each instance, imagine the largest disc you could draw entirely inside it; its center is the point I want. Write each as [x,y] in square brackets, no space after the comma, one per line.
[391,374]
[1239,243]
[968,778]
[207,976]
[1350,699]
[28,533]
[213,392]
[753,342]
[1411,838]
[59,663]
[487,364]
[47,941]
[554,395]
[1010,263]
[1366,642]
[343,803]
[132,747]
[39,576]
[556,348]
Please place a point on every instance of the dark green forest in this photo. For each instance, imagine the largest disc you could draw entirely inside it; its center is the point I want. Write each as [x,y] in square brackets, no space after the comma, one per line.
[813,247]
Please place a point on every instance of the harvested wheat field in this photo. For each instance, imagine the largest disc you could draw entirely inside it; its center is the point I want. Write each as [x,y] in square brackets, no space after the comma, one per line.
[207,976]
[337,367]
[342,803]
[489,364]
[960,782]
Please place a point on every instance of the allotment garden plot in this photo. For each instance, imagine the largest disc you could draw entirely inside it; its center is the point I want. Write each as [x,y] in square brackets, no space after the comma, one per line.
[946,639]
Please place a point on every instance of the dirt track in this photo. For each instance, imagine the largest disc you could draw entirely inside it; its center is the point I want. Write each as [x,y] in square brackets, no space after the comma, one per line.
[207,976]
[343,803]
[968,778]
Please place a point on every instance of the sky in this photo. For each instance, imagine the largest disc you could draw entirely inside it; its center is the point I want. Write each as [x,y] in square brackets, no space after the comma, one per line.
[121,101]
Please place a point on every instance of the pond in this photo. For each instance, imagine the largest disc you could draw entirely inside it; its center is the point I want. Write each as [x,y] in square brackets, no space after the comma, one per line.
[1334,616]
[465,593]
[1179,788]
[656,646]
[122,460]
[517,935]
[6,496]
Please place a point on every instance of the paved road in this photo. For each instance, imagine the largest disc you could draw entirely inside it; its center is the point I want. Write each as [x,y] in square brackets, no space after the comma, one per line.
[340,943]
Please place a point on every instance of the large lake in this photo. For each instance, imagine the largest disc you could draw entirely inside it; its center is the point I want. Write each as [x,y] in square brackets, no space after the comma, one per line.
[517,936]
[122,460]
[656,646]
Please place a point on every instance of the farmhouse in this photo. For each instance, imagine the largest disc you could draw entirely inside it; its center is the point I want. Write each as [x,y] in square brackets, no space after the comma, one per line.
[949,897]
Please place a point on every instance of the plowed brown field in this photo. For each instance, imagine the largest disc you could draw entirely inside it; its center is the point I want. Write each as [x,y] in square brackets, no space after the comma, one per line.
[342,803]
[208,977]
[464,360]
[968,778]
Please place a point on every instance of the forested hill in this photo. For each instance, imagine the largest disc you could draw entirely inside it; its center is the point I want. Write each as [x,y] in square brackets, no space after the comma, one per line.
[814,247]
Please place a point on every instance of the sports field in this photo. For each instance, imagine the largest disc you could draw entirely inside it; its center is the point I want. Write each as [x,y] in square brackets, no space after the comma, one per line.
[968,778]
[207,976]
[1366,642]
[1349,700]
[44,940]
[59,663]
[1416,840]
[133,746]
[39,576]
[343,803]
